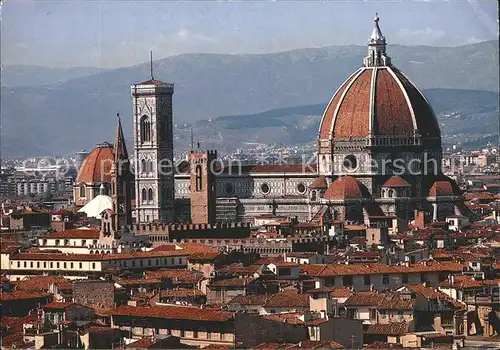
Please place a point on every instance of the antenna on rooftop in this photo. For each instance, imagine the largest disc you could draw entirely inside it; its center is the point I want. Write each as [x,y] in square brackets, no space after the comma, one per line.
[151,63]
[192,142]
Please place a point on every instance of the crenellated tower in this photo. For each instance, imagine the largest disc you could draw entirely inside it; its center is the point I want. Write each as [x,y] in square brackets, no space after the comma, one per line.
[203,191]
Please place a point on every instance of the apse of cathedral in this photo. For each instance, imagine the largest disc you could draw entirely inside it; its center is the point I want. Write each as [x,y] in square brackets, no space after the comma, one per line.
[378,157]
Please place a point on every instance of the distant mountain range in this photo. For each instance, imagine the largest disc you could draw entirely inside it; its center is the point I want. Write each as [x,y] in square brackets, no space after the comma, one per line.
[71,111]
[471,112]
[19,75]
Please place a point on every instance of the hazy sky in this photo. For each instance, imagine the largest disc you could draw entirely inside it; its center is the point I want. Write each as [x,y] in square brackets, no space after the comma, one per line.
[120,33]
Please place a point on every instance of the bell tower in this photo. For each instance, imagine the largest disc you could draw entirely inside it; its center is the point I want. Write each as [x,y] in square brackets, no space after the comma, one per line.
[153,150]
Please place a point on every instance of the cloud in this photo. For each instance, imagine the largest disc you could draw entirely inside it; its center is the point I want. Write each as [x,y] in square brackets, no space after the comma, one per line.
[21,45]
[421,36]
[184,35]
[473,40]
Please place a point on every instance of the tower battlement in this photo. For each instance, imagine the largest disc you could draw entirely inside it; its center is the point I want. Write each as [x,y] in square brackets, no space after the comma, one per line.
[163,233]
[203,191]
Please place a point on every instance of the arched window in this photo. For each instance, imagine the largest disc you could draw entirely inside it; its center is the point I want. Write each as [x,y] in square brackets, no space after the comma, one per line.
[150,166]
[150,194]
[143,166]
[198,178]
[391,193]
[83,191]
[145,129]
[109,227]
[144,195]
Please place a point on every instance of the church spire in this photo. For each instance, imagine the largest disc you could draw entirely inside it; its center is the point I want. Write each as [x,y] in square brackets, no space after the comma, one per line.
[120,180]
[376,47]
[120,149]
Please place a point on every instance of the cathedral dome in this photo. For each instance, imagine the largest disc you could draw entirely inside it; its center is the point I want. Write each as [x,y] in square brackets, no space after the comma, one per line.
[378,100]
[97,166]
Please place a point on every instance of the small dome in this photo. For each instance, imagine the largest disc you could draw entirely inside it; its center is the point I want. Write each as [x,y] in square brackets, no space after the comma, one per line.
[346,187]
[96,206]
[97,166]
[319,183]
[444,188]
[396,181]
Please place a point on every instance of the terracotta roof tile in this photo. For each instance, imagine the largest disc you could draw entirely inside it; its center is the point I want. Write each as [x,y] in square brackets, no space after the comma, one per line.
[177,275]
[392,115]
[317,344]
[15,324]
[20,295]
[99,329]
[386,329]
[38,283]
[269,345]
[287,317]
[232,282]
[396,181]
[352,119]
[287,299]
[346,187]
[57,306]
[97,165]
[172,313]
[328,115]
[320,182]
[203,256]
[344,270]
[442,189]
[341,293]
[463,282]
[137,281]
[249,300]
[74,233]
[143,343]
[426,121]
[383,345]
[181,293]
[154,82]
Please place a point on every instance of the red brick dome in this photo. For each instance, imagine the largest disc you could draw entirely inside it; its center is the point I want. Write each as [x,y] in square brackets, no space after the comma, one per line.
[320,183]
[346,187]
[396,181]
[378,100]
[97,166]
[445,187]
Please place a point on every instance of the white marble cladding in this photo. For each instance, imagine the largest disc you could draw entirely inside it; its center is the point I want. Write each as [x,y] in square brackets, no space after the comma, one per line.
[257,206]
[253,186]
